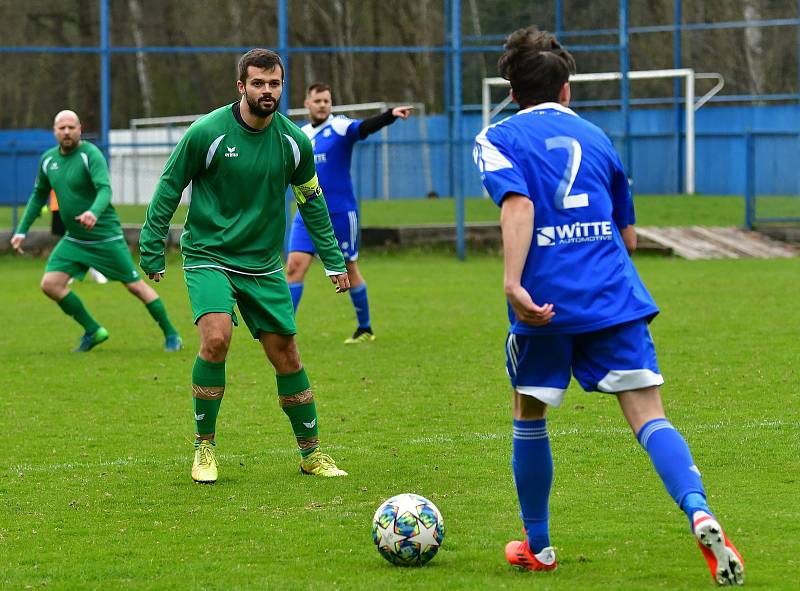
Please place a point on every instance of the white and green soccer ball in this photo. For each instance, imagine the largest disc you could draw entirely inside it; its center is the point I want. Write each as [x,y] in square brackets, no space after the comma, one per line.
[408,530]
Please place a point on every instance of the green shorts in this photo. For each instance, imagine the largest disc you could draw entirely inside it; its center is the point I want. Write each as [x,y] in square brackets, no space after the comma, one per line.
[263,300]
[112,258]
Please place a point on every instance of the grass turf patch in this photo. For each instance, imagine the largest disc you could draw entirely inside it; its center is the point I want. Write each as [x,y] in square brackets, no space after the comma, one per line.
[651,210]
[95,490]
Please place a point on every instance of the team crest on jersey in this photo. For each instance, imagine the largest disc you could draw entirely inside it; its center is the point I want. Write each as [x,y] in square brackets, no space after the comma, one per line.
[231,153]
[327,132]
[576,233]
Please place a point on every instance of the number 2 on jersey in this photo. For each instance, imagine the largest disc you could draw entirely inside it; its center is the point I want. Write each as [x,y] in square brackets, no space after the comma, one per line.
[562,197]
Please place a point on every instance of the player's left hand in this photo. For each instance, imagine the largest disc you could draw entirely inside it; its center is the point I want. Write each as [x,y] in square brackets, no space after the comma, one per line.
[341,281]
[403,112]
[87,219]
[526,310]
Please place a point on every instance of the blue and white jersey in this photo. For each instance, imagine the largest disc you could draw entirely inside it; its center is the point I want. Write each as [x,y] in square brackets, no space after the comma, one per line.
[577,260]
[333,142]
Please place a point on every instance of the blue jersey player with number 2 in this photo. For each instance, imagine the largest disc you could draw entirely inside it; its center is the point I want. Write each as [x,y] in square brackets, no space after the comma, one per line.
[576,303]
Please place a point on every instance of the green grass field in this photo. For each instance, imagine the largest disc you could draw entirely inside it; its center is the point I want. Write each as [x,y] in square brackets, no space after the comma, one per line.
[651,210]
[95,490]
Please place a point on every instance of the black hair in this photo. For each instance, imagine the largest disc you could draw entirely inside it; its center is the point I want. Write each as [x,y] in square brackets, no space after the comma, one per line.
[264,59]
[536,65]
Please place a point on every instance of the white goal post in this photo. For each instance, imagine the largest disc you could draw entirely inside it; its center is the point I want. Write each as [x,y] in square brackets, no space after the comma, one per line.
[139,153]
[421,116]
[690,104]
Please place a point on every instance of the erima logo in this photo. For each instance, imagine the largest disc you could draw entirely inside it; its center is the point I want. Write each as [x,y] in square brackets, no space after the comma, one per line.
[573,233]
[311,424]
[320,158]
[199,417]
[54,166]
[231,153]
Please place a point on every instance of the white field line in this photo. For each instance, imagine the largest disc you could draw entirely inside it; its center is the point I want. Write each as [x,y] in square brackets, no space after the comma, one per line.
[229,458]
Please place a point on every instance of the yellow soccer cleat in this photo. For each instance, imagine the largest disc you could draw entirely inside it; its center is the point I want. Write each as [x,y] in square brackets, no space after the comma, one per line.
[319,464]
[361,335]
[204,468]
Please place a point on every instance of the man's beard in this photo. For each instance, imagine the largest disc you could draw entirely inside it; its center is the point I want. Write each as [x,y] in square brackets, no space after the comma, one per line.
[258,110]
[66,148]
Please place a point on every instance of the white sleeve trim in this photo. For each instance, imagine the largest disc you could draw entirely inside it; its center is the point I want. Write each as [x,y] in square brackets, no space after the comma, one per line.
[341,124]
[212,149]
[486,155]
[295,150]
[85,158]
[18,235]
[45,163]
[330,273]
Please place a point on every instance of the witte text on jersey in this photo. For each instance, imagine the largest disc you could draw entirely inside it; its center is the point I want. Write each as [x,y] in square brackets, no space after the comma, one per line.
[574,233]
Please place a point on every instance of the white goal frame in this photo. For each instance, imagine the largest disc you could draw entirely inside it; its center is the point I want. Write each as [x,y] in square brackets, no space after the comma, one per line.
[690,104]
[173,128]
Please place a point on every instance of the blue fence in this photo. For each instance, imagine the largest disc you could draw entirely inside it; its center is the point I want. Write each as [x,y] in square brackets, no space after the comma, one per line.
[413,172]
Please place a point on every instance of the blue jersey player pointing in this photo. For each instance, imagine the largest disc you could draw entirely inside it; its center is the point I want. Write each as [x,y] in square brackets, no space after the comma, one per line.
[333,138]
[576,303]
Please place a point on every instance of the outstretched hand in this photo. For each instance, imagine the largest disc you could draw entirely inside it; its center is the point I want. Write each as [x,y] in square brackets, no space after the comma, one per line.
[155,276]
[341,281]
[403,112]
[526,310]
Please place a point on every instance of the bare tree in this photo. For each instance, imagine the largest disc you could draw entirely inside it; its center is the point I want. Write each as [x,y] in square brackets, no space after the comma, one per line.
[754,48]
[142,72]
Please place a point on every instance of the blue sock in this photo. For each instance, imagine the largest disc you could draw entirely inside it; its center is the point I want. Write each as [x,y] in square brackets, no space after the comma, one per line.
[359,297]
[673,462]
[296,290]
[533,476]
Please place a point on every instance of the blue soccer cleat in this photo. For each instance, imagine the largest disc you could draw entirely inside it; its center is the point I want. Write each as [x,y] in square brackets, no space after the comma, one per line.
[91,339]
[172,343]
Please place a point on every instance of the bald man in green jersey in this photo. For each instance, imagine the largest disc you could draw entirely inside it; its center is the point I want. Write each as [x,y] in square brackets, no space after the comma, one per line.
[240,159]
[78,173]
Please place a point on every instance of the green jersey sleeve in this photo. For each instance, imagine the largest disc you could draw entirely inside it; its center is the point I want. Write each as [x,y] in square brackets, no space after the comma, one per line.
[314,211]
[184,163]
[98,171]
[38,198]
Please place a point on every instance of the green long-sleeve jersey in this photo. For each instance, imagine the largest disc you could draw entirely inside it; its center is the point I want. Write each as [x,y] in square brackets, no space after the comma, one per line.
[80,180]
[237,215]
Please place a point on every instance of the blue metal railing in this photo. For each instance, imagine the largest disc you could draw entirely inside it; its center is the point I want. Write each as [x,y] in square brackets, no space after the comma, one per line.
[751,216]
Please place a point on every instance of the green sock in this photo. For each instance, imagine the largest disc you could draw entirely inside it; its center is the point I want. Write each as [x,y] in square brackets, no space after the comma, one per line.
[159,314]
[208,387]
[72,305]
[297,401]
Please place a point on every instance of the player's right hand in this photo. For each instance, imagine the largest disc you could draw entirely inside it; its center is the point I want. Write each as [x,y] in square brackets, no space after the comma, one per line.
[526,310]
[16,242]
[341,281]
[155,276]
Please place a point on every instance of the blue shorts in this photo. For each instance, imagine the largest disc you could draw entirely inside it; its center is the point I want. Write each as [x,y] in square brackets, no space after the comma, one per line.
[345,226]
[614,359]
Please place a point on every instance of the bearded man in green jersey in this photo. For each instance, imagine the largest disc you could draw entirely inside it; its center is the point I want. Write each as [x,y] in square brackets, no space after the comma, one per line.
[78,173]
[240,159]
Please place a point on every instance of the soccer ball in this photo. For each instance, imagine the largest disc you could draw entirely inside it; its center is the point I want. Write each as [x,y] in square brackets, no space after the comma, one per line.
[408,530]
